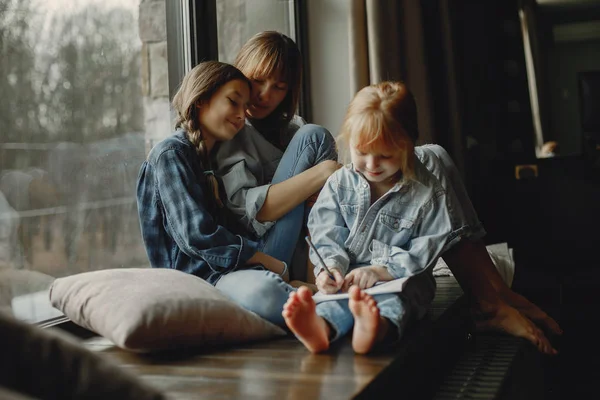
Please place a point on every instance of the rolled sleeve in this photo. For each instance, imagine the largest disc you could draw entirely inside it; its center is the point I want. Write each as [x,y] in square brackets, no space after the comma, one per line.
[255,198]
[245,198]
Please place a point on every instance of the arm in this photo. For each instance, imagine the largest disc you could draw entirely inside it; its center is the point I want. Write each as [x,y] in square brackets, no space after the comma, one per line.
[285,196]
[270,263]
[260,205]
[328,230]
[189,221]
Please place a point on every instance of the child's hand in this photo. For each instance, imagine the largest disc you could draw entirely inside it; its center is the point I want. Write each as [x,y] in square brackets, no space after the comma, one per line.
[363,277]
[327,285]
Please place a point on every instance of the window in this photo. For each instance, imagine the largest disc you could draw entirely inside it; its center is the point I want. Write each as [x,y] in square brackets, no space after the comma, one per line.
[85,93]
[238,20]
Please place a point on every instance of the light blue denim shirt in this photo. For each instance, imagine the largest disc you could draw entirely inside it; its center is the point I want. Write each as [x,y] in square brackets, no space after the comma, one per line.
[245,165]
[462,213]
[405,230]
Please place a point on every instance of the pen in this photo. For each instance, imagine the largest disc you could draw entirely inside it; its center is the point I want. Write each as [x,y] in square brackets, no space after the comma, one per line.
[323,266]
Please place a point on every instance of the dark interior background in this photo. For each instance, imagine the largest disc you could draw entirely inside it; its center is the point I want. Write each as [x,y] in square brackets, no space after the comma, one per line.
[552,220]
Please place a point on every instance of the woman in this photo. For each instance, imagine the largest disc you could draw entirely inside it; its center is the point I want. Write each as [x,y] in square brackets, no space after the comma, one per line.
[272,167]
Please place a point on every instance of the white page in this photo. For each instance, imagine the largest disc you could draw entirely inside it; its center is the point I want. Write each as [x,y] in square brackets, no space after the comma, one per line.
[394,286]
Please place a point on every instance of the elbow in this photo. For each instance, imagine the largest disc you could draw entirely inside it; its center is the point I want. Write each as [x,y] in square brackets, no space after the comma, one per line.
[267,214]
[262,216]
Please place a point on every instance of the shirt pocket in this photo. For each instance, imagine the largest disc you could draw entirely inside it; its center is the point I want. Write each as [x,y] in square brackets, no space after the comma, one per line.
[395,228]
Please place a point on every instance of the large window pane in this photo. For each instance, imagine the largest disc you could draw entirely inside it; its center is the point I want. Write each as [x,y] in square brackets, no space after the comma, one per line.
[238,20]
[84,92]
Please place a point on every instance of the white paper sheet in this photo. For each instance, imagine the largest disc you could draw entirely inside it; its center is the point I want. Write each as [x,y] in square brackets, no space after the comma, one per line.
[385,287]
[501,255]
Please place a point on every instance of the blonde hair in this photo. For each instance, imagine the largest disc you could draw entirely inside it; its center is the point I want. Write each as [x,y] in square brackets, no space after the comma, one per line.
[197,87]
[269,53]
[383,117]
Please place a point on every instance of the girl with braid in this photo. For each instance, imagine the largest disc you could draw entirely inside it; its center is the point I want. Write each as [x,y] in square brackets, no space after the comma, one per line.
[183,222]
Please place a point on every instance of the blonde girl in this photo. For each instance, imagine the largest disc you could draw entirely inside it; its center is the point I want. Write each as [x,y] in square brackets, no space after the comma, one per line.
[382,217]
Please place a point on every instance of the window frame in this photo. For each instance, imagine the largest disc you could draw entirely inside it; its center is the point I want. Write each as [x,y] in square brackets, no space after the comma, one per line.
[181,20]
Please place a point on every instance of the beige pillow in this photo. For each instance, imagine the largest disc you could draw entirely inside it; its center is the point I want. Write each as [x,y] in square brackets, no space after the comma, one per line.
[145,309]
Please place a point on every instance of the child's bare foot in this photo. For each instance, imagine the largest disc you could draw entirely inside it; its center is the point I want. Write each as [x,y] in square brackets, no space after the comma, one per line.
[367,322]
[511,321]
[300,316]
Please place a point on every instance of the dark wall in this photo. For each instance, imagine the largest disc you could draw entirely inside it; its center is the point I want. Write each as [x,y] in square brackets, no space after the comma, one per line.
[551,221]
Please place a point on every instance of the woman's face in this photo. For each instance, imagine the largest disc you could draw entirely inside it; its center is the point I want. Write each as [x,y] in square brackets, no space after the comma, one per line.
[267,95]
[222,117]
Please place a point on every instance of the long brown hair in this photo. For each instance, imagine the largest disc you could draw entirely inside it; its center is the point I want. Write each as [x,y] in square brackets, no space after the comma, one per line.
[382,117]
[268,53]
[197,87]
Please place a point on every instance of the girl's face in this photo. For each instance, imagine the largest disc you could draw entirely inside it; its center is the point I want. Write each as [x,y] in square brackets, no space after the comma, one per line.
[267,95]
[376,167]
[222,117]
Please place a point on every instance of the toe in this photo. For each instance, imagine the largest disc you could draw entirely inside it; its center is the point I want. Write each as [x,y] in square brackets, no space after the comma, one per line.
[304,293]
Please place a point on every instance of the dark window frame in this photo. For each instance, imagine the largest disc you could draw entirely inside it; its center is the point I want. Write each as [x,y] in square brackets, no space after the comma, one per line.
[203,24]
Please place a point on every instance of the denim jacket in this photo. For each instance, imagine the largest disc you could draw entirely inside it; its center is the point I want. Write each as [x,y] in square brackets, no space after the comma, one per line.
[246,164]
[181,225]
[405,230]
[462,213]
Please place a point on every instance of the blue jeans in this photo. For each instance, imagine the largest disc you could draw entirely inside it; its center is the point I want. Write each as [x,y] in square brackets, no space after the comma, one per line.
[341,320]
[260,291]
[397,308]
[310,145]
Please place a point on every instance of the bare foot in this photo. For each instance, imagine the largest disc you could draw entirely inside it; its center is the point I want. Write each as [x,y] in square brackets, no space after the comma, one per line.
[532,312]
[300,316]
[367,322]
[511,321]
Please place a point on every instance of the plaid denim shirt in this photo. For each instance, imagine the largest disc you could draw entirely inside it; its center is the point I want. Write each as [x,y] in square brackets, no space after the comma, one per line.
[181,225]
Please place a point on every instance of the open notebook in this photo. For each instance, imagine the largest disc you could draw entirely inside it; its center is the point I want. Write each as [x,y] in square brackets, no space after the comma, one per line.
[385,287]
[500,253]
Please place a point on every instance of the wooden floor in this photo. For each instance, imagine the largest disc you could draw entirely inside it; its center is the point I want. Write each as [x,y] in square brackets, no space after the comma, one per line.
[275,369]
[278,369]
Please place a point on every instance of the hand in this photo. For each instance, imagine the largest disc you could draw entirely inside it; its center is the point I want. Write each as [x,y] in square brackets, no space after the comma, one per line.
[366,277]
[327,285]
[270,263]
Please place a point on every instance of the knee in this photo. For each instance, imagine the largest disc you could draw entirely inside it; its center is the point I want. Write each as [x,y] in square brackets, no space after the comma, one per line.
[317,133]
[265,296]
[271,292]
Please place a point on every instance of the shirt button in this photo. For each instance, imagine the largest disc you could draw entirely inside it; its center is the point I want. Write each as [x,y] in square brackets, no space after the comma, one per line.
[396,225]
[365,185]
